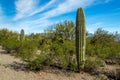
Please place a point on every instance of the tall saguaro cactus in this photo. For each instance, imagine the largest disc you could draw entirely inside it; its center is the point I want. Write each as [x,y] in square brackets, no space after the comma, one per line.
[22,35]
[80,38]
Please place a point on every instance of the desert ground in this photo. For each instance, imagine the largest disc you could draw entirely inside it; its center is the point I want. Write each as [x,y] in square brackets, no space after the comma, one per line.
[12,68]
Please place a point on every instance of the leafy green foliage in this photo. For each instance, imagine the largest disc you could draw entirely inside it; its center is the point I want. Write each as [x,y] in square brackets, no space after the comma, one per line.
[39,62]
[103,45]
[27,50]
[11,45]
[93,63]
[9,40]
[62,52]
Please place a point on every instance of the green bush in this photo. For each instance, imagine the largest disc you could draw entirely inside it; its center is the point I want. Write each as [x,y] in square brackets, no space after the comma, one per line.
[38,63]
[92,64]
[11,45]
[27,50]
[9,40]
[61,53]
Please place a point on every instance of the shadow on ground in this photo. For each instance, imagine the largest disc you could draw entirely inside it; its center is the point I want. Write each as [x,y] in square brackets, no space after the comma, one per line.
[17,66]
[3,52]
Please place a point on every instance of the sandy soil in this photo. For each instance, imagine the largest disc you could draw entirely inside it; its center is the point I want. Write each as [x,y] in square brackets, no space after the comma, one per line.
[12,68]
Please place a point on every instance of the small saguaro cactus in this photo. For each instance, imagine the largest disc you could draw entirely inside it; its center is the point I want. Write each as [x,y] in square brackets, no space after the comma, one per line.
[22,35]
[80,39]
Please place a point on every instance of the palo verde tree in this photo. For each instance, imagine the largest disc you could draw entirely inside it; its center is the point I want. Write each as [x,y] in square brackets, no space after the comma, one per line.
[80,38]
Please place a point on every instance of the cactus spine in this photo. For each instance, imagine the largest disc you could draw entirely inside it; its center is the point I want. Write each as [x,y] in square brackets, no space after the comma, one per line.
[80,38]
[22,35]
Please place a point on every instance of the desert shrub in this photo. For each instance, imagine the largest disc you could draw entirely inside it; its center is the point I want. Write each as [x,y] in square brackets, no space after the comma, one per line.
[103,45]
[62,52]
[38,63]
[114,50]
[10,45]
[59,54]
[27,50]
[92,64]
[9,40]
[90,50]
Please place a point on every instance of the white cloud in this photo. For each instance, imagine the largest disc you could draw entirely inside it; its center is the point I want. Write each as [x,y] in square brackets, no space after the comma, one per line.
[9,26]
[29,8]
[42,8]
[24,7]
[109,27]
[94,26]
[43,19]
[112,27]
[66,7]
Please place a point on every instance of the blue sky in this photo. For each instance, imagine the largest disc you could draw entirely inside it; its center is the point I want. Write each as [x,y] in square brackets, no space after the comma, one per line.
[37,15]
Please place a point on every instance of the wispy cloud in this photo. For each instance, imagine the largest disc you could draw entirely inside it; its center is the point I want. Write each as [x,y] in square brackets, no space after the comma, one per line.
[27,8]
[42,8]
[61,9]
[34,17]
[94,26]
[66,7]
[109,27]
[24,8]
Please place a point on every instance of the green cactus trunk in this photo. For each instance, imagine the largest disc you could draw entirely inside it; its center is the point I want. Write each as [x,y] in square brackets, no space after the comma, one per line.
[22,35]
[80,38]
